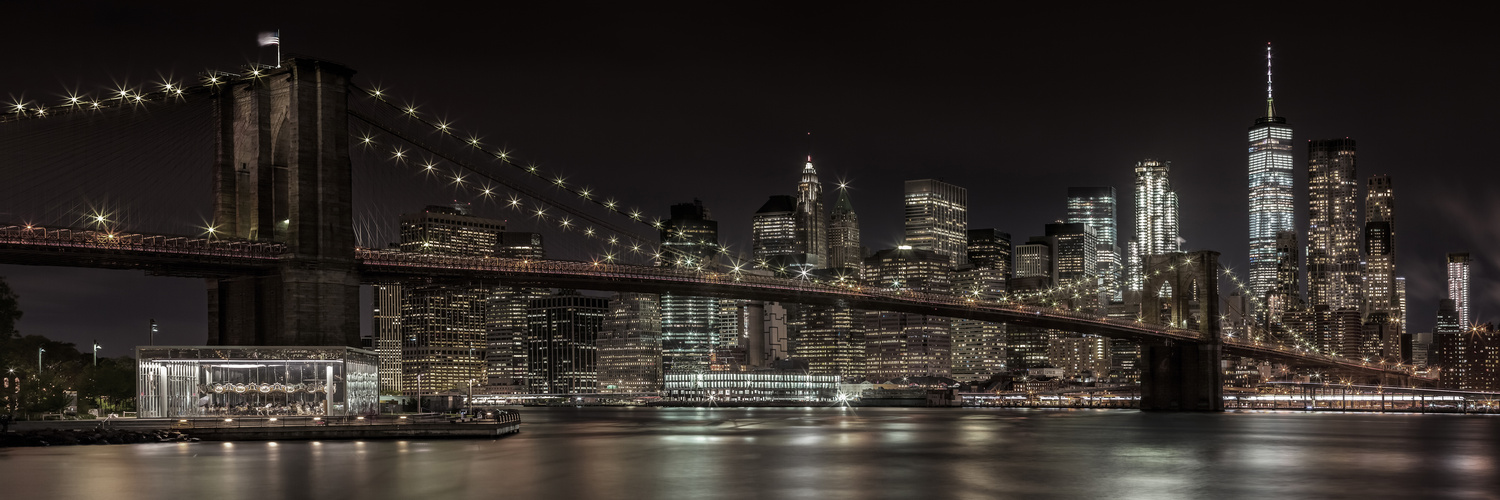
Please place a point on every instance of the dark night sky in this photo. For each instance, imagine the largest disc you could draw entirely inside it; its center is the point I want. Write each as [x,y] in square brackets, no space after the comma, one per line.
[663,105]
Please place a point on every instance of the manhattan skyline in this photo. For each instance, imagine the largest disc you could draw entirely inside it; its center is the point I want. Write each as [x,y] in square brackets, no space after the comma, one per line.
[1014,116]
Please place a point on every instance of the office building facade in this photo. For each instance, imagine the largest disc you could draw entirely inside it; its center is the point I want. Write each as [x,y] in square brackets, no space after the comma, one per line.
[1156,219]
[904,344]
[1095,207]
[1334,277]
[844,248]
[629,346]
[1459,268]
[562,343]
[444,329]
[690,239]
[937,218]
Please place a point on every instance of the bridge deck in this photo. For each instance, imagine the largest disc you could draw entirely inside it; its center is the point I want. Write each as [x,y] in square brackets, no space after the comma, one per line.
[205,257]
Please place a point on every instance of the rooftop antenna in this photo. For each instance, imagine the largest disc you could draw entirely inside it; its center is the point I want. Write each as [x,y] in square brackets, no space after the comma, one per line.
[1270,102]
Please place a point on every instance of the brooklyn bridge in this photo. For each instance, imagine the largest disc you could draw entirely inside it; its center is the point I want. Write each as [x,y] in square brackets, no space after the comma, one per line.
[284,260]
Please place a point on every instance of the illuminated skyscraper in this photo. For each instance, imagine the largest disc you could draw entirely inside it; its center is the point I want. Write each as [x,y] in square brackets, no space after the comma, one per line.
[844,250]
[905,344]
[506,318]
[1075,255]
[937,218]
[1334,278]
[444,330]
[630,345]
[1380,251]
[978,346]
[831,339]
[562,343]
[1026,346]
[775,233]
[1458,287]
[388,336]
[1155,218]
[1034,260]
[1095,206]
[813,221]
[990,249]
[691,240]
[1287,292]
[1271,196]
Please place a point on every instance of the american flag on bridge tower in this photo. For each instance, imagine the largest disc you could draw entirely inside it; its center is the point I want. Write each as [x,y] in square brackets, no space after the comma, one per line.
[270,38]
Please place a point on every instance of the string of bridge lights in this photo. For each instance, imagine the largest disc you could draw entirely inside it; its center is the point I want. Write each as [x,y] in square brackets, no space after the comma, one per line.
[489,192]
[73,102]
[171,90]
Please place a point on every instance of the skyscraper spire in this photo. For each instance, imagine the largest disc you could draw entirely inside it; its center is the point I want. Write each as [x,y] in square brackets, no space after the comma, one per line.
[1270,102]
[1271,198]
[812,220]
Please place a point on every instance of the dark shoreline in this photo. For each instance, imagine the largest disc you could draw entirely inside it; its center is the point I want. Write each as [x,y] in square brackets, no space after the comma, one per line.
[71,437]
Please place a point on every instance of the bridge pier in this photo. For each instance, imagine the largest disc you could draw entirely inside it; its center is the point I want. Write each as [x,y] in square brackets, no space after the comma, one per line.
[282,173]
[1183,375]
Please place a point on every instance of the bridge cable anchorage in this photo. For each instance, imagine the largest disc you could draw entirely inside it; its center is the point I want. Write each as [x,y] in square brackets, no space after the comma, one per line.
[584,193]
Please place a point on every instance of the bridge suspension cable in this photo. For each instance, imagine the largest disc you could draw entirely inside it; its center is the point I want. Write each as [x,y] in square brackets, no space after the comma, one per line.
[639,244]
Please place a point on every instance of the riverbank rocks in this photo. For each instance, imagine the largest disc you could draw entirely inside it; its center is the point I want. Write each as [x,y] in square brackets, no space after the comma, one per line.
[63,437]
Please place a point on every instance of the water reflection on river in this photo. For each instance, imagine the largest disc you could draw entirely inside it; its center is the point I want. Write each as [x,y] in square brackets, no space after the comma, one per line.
[817,453]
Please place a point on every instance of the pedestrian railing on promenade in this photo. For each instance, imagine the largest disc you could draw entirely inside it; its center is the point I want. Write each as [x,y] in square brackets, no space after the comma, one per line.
[490,417]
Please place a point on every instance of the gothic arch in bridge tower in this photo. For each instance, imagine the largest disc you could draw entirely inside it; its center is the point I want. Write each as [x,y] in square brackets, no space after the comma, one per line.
[282,173]
[1179,375]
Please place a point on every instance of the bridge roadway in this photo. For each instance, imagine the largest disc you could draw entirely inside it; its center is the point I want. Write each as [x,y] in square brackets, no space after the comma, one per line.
[168,255]
[208,257]
[380,265]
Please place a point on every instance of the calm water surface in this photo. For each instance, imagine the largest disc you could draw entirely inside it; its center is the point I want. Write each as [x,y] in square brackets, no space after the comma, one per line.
[817,453]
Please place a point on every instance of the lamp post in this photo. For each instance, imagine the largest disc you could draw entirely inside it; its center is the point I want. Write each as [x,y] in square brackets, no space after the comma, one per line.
[419,393]
[153,332]
[39,352]
[96,353]
[470,401]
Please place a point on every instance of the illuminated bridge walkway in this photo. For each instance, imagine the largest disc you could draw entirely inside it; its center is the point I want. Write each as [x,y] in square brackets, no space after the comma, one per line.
[204,257]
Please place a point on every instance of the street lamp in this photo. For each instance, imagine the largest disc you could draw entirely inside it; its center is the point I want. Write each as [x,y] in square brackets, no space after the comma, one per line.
[470,401]
[39,352]
[153,332]
[96,353]
[419,393]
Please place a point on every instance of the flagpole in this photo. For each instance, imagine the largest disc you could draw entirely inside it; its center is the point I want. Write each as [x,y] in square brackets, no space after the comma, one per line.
[278,48]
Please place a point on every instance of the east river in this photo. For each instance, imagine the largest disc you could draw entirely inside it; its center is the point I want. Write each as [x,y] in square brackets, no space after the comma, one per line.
[816,453]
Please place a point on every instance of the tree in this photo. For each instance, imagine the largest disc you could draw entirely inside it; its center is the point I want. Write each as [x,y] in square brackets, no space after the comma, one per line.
[111,384]
[46,393]
[10,309]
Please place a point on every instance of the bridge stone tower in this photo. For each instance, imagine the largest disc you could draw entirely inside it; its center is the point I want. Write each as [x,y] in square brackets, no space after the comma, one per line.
[1177,375]
[282,173]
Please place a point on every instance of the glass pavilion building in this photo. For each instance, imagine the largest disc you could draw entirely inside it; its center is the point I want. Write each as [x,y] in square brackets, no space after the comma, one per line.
[217,381]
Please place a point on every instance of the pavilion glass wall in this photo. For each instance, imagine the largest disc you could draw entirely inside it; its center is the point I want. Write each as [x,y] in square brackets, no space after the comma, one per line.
[183,382]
